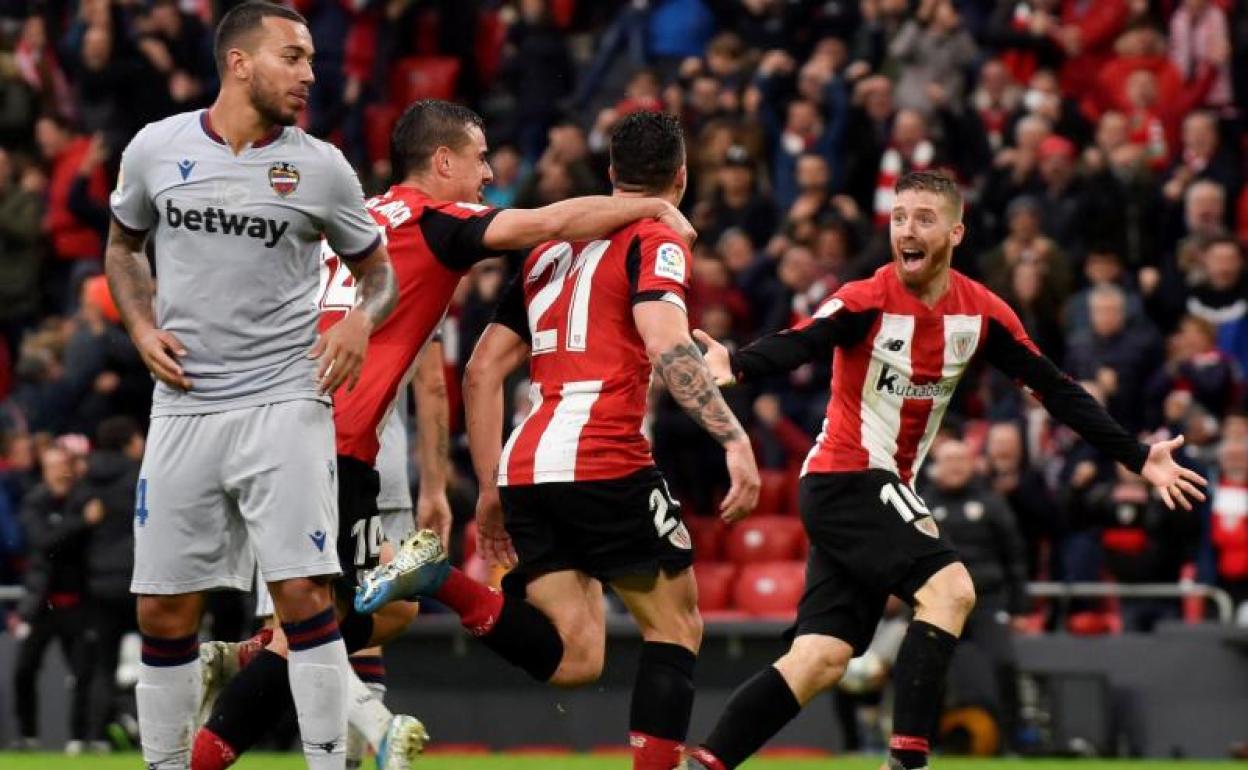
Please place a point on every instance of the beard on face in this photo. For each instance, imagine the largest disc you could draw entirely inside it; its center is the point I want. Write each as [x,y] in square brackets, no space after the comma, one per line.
[268,102]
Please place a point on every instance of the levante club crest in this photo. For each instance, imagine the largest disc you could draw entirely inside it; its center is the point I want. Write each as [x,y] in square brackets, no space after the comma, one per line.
[283,178]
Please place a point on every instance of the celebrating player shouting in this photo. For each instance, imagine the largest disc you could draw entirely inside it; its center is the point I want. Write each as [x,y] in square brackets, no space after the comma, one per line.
[240,458]
[436,230]
[583,501]
[902,339]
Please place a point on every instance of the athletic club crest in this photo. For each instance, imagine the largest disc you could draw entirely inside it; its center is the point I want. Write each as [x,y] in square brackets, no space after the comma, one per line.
[283,178]
[963,345]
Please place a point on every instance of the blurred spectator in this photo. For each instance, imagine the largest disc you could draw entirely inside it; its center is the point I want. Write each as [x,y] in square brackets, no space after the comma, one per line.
[1203,155]
[76,246]
[106,495]
[505,161]
[1010,475]
[1229,525]
[1221,298]
[1102,267]
[1027,243]
[537,71]
[1142,541]
[933,51]
[1198,371]
[1123,209]
[54,606]
[37,65]
[1117,357]
[1086,36]
[1199,39]
[779,443]
[21,217]
[982,528]
[995,98]
[1024,33]
[738,202]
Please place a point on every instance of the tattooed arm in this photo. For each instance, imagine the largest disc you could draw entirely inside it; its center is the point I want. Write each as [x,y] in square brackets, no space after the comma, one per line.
[499,351]
[433,510]
[665,330]
[130,282]
[341,349]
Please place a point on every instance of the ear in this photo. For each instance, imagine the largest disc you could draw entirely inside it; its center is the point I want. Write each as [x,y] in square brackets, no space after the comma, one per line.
[441,161]
[238,64]
[956,233]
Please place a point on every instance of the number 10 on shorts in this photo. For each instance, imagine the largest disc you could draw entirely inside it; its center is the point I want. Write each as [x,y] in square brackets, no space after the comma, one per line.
[904,501]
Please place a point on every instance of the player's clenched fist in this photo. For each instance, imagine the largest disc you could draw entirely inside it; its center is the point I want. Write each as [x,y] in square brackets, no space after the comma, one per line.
[160,351]
[341,352]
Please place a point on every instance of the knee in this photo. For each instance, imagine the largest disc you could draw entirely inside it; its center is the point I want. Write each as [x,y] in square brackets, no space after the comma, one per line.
[168,617]
[683,628]
[816,664]
[958,593]
[299,598]
[583,659]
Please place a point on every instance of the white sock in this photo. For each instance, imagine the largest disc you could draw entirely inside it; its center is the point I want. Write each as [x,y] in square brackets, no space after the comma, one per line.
[168,700]
[318,682]
[366,712]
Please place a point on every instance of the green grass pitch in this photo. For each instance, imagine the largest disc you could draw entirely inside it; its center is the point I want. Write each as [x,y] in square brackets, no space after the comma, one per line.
[505,762]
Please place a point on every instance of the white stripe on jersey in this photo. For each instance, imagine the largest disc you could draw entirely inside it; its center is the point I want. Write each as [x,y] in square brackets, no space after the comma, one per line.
[881,409]
[589,259]
[555,458]
[504,460]
[961,342]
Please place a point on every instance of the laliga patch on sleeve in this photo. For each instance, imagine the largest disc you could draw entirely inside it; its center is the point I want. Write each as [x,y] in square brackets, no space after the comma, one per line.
[830,307]
[670,262]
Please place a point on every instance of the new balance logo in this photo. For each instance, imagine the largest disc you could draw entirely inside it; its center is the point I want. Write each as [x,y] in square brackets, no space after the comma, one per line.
[214,220]
[894,346]
[318,540]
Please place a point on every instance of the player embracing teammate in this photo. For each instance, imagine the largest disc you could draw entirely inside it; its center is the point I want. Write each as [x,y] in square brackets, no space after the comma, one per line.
[574,500]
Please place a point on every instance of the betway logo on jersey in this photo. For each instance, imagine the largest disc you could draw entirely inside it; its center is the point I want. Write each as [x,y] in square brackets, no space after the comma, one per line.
[895,383]
[219,221]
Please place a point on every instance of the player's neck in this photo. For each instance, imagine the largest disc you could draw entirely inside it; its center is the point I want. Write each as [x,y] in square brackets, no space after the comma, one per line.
[429,186]
[670,196]
[931,292]
[235,120]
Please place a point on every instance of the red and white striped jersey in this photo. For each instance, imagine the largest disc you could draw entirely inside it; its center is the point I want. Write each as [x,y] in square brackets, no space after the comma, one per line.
[897,363]
[573,304]
[431,244]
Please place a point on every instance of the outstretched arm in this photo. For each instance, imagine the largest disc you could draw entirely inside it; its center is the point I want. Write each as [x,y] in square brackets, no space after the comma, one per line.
[130,282]
[1071,405]
[498,353]
[663,326]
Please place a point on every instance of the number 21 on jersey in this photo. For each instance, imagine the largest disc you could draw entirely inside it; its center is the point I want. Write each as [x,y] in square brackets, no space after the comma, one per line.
[557,268]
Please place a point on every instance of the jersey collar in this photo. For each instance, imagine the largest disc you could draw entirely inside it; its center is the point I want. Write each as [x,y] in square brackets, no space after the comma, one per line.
[206,123]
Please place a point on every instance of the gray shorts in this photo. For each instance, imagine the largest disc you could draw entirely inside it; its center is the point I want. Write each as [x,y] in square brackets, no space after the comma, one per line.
[397,524]
[221,492]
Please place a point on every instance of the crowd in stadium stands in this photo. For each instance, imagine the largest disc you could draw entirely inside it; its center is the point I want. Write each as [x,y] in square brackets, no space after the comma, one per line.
[1099,145]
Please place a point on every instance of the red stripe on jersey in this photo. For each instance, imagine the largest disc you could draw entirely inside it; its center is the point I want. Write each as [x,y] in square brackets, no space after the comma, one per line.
[520,454]
[840,443]
[927,352]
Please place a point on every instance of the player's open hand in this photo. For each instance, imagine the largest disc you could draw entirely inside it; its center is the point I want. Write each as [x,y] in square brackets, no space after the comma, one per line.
[493,542]
[677,221]
[160,351]
[1174,483]
[717,359]
[743,473]
[433,511]
[340,351]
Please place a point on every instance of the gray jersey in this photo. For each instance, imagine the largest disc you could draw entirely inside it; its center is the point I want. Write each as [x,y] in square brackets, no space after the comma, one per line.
[395,492]
[237,243]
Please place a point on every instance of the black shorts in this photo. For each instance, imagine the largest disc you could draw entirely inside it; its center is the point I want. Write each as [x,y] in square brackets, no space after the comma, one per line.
[359,524]
[606,529]
[868,540]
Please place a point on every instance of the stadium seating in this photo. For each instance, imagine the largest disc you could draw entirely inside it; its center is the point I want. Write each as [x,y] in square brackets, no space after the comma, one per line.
[770,589]
[777,493]
[763,539]
[715,585]
[707,533]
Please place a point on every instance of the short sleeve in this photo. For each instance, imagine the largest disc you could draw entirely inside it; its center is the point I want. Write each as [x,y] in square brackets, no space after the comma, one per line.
[455,233]
[350,230]
[659,267]
[130,203]
[511,311]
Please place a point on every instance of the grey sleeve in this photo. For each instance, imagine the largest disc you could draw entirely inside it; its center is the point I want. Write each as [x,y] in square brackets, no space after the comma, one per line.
[130,202]
[350,230]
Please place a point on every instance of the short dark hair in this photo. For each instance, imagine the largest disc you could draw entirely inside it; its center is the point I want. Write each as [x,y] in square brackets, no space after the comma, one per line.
[114,433]
[647,149]
[1222,239]
[424,127]
[937,182]
[243,19]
